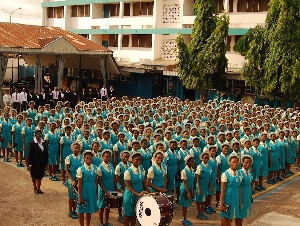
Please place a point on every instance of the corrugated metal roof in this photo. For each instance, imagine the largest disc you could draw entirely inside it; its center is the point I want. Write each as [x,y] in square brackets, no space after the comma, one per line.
[37,37]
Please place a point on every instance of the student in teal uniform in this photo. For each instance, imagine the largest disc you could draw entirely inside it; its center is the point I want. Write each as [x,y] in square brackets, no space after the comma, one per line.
[106,142]
[223,165]
[107,182]
[52,140]
[293,150]
[187,188]
[16,131]
[146,154]
[246,193]
[283,154]
[256,163]
[97,159]
[136,186]
[27,136]
[265,156]
[32,112]
[87,182]
[5,129]
[65,150]
[73,162]
[213,164]
[172,165]
[196,150]
[203,184]
[157,174]
[119,173]
[120,146]
[230,184]
[274,163]
[86,140]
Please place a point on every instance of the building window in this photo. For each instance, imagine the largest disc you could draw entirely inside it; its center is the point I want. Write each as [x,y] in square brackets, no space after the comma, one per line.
[114,10]
[142,41]
[219,6]
[126,9]
[113,40]
[55,12]
[143,8]
[228,47]
[252,6]
[80,11]
[125,41]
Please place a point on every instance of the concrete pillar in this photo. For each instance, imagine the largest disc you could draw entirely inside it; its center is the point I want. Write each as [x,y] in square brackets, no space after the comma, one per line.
[235,3]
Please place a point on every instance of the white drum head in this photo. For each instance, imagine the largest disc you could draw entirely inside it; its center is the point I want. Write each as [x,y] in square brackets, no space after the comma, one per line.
[147,211]
[115,194]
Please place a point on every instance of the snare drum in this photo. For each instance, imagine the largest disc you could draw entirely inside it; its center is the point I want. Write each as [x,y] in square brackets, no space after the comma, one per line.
[170,196]
[154,209]
[115,200]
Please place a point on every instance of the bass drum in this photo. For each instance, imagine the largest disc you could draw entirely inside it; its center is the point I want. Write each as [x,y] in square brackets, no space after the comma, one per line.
[154,209]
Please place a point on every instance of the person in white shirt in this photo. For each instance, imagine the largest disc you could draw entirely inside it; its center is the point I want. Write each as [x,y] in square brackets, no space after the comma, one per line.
[23,98]
[16,100]
[55,95]
[103,92]
[7,99]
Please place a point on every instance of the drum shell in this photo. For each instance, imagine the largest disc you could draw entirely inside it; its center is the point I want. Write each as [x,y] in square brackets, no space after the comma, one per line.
[114,201]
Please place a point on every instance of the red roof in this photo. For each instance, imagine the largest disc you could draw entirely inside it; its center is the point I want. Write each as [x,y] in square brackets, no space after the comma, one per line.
[37,37]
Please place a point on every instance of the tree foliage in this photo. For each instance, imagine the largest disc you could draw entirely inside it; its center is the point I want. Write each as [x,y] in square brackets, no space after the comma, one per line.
[202,63]
[273,52]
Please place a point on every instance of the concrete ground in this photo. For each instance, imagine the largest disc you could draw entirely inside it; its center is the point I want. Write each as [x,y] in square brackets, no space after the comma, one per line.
[278,205]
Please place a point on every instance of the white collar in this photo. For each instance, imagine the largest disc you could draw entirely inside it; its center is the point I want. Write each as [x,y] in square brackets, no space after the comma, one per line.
[245,171]
[188,168]
[231,172]
[205,165]
[76,157]
[36,141]
[105,164]
[88,167]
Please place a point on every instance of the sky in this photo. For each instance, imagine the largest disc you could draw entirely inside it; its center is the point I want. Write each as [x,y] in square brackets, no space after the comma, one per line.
[30,12]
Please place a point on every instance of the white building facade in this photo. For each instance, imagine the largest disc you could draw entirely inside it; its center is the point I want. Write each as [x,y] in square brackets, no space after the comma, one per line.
[142,33]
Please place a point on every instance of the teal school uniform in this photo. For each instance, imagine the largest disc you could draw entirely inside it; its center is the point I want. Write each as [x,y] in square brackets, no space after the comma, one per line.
[282,145]
[74,163]
[66,150]
[222,160]
[97,159]
[232,193]
[53,140]
[17,128]
[213,164]
[274,150]
[108,175]
[204,172]
[264,150]
[122,168]
[172,164]
[246,193]
[129,199]
[29,134]
[146,158]
[119,147]
[86,144]
[31,114]
[255,153]
[6,133]
[197,151]
[190,178]
[89,175]
[159,175]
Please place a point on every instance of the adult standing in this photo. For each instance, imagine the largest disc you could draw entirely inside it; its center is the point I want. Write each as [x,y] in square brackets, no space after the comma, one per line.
[67,95]
[30,96]
[97,94]
[103,93]
[83,95]
[38,159]
[55,96]
[16,100]
[111,92]
[7,98]
[49,98]
[43,98]
[23,97]
[36,99]
[62,94]
[74,98]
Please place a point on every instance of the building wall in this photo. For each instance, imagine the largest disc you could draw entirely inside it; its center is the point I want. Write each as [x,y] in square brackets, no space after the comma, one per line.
[103,20]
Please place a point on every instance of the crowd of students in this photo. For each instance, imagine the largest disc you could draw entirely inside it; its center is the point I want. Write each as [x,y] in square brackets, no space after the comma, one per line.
[221,149]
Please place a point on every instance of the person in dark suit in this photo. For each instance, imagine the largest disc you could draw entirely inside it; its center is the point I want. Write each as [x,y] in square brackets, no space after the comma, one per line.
[90,96]
[49,98]
[111,92]
[74,98]
[30,96]
[37,159]
[97,94]
[43,98]
[36,99]
[68,95]
[83,95]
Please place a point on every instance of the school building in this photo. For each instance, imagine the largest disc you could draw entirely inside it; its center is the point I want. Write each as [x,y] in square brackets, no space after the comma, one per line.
[142,34]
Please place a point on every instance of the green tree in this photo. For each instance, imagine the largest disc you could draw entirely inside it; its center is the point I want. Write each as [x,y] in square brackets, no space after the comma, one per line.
[273,52]
[202,63]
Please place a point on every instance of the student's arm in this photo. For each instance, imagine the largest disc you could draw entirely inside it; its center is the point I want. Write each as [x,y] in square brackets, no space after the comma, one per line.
[222,196]
[61,151]
[186,186]
[30,155]
[80,190]
[165,182]
[198,183]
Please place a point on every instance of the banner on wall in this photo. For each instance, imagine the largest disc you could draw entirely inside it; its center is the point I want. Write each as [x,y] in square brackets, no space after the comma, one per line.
[249,99]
